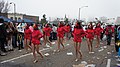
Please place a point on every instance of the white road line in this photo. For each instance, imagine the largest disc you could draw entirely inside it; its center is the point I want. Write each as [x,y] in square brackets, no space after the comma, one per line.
[108,62]
[21,56]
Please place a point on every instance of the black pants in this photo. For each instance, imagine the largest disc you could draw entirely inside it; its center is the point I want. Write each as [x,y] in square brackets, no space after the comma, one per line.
[101,36]
[50,38]
[109,39]
[2,44]
[54,36]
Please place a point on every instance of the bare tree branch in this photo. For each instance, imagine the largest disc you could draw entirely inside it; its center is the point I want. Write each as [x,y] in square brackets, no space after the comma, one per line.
[6,8]
[1,5]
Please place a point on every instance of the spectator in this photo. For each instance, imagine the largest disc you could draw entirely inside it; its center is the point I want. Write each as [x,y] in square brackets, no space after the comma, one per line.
[54,33]
[14,37]
[2,37]
[9,36]
[109,31]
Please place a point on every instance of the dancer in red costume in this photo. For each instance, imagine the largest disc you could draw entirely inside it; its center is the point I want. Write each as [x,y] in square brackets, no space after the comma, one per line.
[36,35]
[98,30]
[67,27]
[27,37]
[90,36]
[47,30]
[78,33]
[60,34]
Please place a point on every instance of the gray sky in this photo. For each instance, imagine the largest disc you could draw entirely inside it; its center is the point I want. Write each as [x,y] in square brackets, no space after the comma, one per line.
[58,8]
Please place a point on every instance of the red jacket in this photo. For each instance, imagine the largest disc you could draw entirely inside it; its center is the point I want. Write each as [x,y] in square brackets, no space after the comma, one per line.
[61,31]
[78,34]
[36,35]
[90,33]
[109,30]
[98,31]
[47,31]
[27,34]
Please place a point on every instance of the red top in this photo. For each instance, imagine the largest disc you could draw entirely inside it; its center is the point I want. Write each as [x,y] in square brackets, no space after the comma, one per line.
[78,34]
[47,31]
[109,30]
[61,31]
[98,31]
[36,35]
[67,29]
[27,34]
[90,33]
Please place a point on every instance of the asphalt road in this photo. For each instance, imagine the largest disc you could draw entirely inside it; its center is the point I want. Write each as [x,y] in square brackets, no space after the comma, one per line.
[61,59]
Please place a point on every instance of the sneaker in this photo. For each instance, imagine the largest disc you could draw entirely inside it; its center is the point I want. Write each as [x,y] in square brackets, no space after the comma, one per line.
[47,46]
[58,50]
[35,61]
[76,60]
[92,52]
[3,54]
[89,52]
[20,50]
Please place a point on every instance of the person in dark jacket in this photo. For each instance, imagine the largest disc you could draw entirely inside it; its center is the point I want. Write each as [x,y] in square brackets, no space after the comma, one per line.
[109,31]
[3,34]
[116,33]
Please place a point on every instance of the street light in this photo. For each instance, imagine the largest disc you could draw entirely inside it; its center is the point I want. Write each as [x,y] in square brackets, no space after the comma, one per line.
[14,9]
[79,11]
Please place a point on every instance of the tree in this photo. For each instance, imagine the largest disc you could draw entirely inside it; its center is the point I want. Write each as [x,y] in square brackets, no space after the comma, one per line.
[43,21]
[4,6]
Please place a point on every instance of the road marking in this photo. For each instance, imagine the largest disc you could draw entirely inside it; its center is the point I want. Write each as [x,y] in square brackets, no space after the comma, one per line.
[21,56]
[108,62]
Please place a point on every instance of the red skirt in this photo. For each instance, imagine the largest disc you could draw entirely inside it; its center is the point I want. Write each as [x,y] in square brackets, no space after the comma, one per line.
[27,37]
[36,42]
[60,35]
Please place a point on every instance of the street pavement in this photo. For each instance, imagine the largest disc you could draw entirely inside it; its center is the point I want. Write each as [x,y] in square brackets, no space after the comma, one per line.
[104,56]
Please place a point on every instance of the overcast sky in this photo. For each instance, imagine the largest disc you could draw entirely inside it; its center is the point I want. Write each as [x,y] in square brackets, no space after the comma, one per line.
[58,8]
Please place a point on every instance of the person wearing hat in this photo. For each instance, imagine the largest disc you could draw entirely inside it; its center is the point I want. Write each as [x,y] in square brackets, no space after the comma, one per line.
[3,34]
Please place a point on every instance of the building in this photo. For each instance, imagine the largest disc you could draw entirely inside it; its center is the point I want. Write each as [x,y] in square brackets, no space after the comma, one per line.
[4,14]
[33,18]
[19,16]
